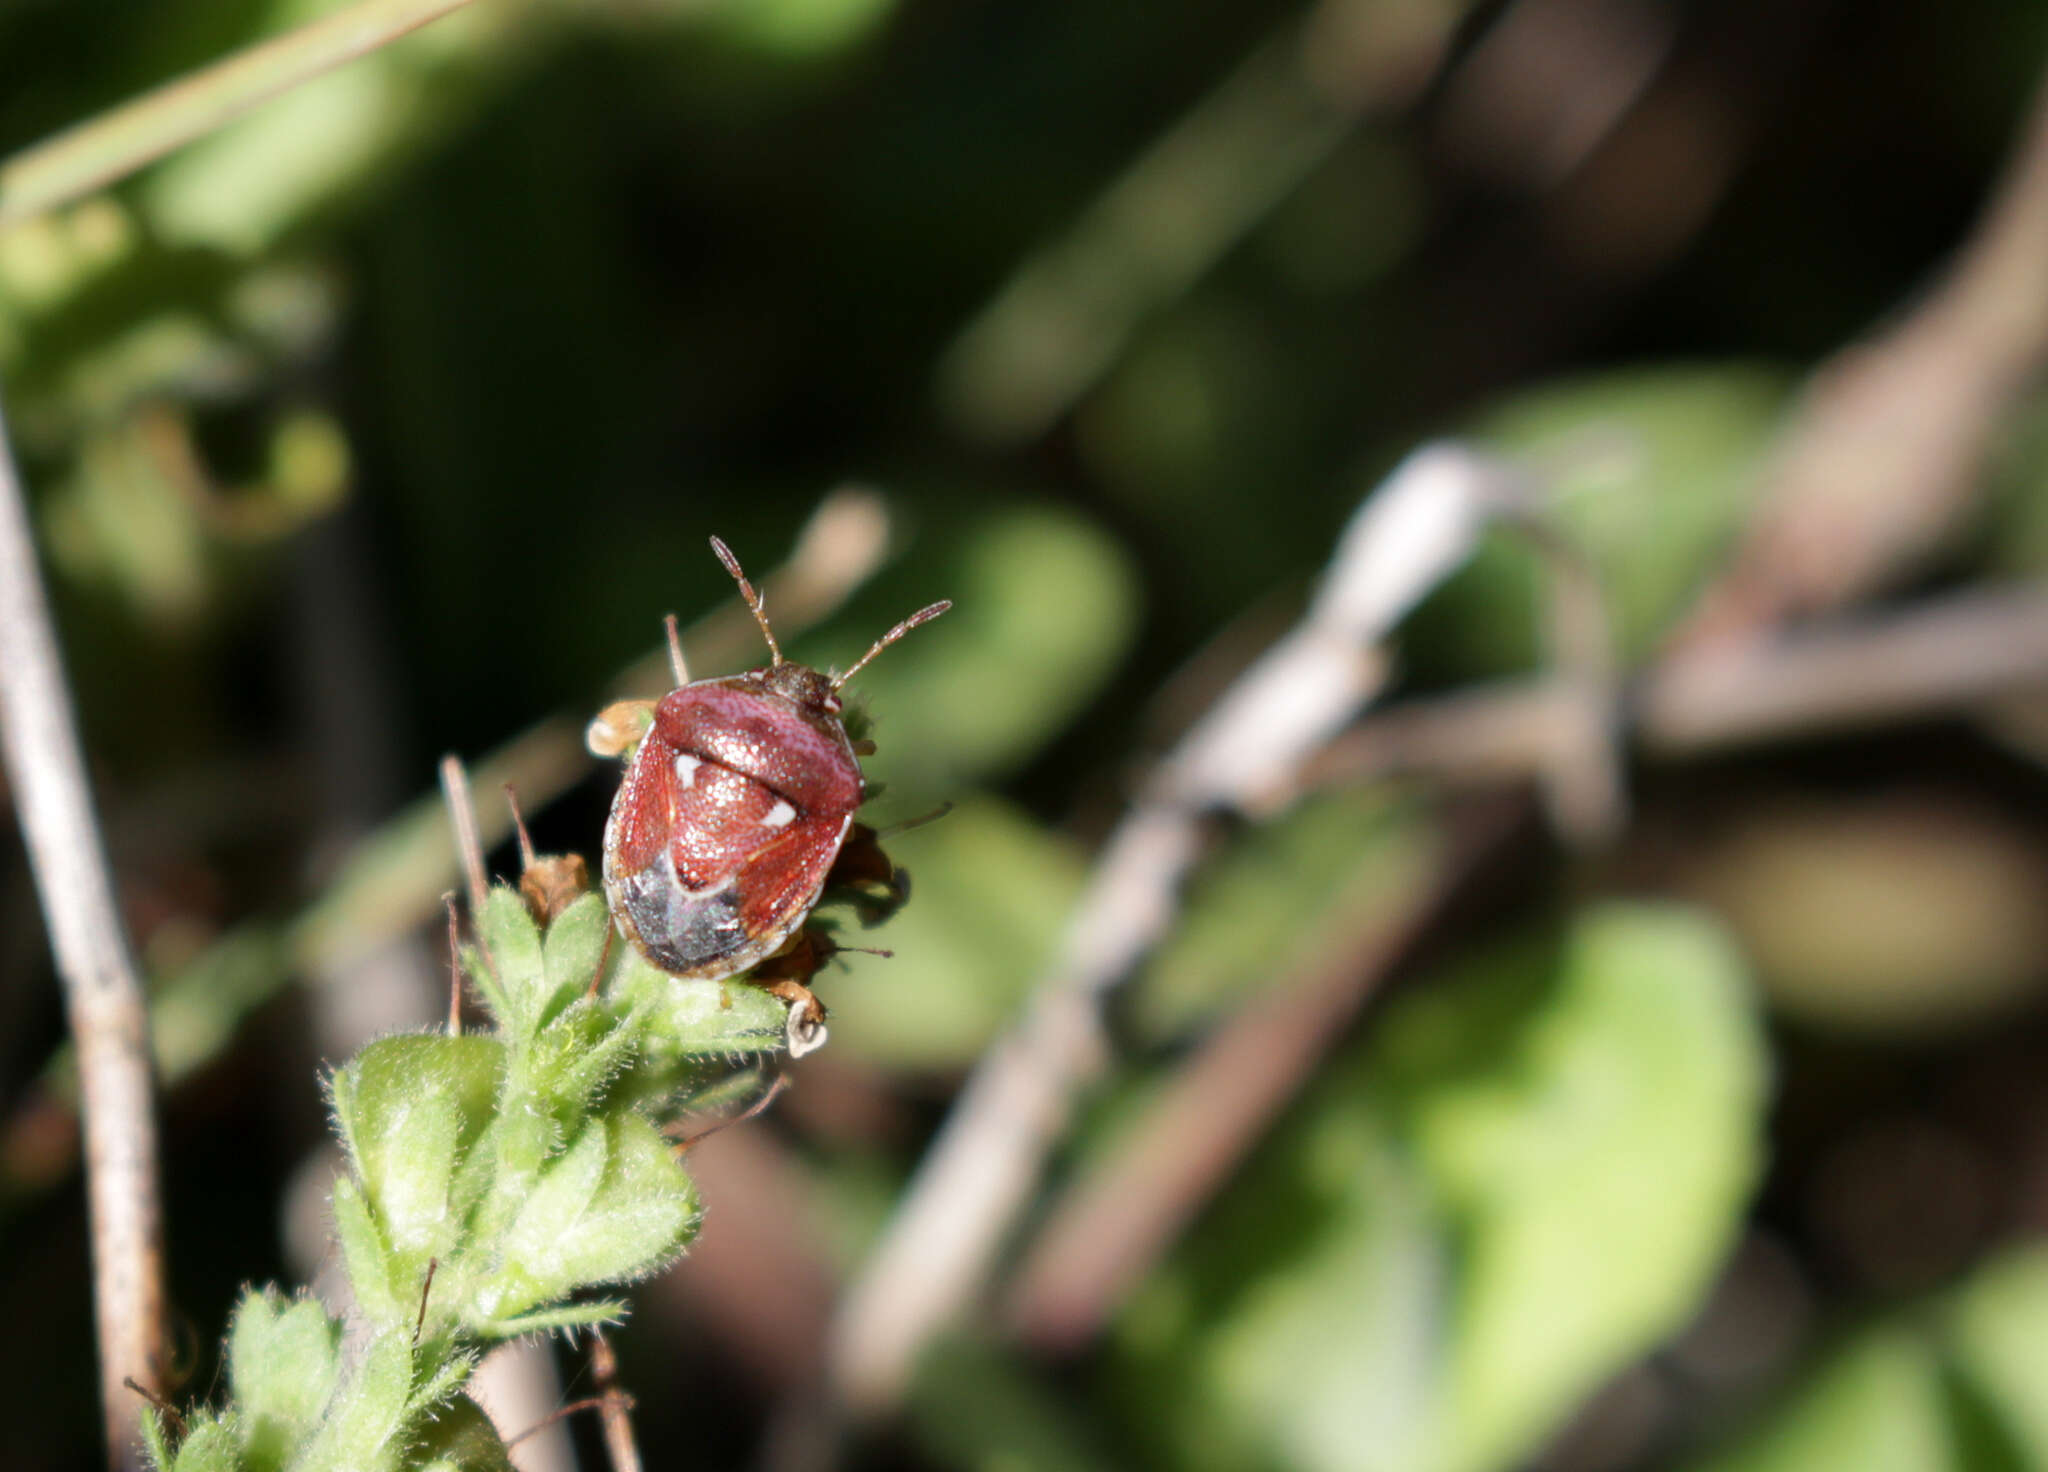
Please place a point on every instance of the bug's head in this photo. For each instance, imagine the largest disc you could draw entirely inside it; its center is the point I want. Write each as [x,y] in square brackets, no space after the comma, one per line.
[802,686]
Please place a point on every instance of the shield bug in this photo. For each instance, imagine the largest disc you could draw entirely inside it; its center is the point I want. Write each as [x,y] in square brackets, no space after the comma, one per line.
[736,813]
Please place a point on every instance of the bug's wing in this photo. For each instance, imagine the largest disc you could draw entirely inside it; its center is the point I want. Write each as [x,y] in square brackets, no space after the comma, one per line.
[643,815]
[780,881]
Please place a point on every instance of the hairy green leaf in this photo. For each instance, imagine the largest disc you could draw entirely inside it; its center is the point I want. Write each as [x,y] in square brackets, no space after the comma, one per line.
[572,951]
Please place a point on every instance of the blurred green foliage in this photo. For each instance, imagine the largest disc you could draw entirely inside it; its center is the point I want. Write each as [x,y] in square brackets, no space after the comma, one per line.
[1955,1385]
[1522,1180]
[1261,909]
[1647,473]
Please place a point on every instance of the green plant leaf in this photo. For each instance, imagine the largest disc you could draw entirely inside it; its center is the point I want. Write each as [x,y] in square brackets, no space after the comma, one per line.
[281,1364]
[1592,1124]
[573,1057]
[583,1315]
[572,951]
[1957,1385]
[1994,1328]
[213,1443]
[1301,1327]
[366,1254]
[684,1021]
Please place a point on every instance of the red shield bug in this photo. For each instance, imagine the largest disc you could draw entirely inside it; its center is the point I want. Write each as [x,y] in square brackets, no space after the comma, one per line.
[736,813]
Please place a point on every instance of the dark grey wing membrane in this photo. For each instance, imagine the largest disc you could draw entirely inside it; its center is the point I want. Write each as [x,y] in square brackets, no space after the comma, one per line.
[683,930]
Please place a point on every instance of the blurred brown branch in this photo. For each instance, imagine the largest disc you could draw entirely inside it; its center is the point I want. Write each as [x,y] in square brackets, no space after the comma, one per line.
[102,993]
[1884,455]
[1241,757]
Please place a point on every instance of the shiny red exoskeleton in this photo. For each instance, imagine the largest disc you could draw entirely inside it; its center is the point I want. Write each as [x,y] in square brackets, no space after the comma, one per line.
[735,813]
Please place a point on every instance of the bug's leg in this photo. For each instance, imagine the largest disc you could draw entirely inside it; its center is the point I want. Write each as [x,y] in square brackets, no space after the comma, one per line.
[785,975]
[618,728]
[879,888]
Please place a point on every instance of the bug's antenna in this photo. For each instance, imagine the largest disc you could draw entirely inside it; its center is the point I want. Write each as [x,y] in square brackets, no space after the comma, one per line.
[732,565]
[922,616]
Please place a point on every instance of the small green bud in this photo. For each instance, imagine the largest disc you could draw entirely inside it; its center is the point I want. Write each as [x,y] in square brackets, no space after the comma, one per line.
[281,1364]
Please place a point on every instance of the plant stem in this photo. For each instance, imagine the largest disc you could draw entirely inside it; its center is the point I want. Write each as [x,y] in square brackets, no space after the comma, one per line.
[102,994]
[123,139]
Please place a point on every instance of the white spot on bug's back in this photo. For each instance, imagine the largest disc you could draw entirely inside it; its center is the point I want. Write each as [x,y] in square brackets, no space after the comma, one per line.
[779,816]
[686,769]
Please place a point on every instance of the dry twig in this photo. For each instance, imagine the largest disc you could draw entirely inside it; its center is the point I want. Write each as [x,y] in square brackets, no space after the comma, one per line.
[614,1406]
[1242,757]
[1886,450]
[1947,654]
[462,821]
[103,997]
